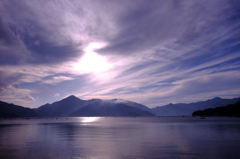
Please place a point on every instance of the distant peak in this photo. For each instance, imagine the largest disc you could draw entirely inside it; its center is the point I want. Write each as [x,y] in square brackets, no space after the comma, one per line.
[71,97]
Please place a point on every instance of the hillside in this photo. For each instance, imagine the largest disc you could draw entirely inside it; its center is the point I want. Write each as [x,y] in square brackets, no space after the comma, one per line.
[229,110]
[110,109]
[11,110]
[61,108]
[187,109]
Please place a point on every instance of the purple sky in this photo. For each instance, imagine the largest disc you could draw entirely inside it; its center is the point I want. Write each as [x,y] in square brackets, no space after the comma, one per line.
[150,52]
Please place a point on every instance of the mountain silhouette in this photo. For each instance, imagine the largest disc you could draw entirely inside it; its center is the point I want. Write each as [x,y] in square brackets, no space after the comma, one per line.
[132,104]
[61,108]
[11,110]
[229,110]
[73,106]
[110,109]
[181,109]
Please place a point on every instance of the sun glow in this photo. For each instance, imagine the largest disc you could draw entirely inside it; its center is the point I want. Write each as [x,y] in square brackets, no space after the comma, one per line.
[92,62]
[89,119]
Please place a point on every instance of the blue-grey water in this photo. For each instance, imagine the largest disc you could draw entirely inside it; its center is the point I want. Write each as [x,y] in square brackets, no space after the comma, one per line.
[121,137]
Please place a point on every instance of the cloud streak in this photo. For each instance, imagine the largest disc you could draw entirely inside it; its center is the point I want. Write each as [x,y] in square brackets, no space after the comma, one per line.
[154,52]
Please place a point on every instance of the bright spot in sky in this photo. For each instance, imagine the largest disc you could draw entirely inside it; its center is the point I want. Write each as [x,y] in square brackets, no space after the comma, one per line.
[91,62]
[93,46]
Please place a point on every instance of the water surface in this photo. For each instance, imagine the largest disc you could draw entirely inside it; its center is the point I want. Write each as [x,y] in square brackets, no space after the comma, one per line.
[123,137]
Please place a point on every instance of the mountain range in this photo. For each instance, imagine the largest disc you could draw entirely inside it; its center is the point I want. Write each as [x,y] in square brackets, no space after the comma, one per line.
[75,107]
[181,109]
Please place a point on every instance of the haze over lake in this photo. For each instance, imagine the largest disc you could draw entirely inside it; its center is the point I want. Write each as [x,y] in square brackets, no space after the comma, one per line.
[120,137]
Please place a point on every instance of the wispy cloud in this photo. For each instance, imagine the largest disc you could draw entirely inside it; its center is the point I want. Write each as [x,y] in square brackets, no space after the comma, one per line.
[57,79]
[150,52]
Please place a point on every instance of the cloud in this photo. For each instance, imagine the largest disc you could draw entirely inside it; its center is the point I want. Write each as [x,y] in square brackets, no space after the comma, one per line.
[14,91]
[57,95]
[23,31]
[153,51]
[6,36]
[208,83]
[57,79]
[147,25]
[29,97]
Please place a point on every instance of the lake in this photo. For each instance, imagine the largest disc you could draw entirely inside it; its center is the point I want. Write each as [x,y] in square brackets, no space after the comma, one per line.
[120,137]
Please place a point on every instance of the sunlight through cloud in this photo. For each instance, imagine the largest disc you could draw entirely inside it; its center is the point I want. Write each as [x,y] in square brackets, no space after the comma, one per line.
[92,62]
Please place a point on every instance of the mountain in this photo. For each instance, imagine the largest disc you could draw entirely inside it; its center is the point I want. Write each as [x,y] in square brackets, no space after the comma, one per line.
[61,108]
[73,106]
[11,110]
[229,110]
[129,103]
[110,109]
[187,109]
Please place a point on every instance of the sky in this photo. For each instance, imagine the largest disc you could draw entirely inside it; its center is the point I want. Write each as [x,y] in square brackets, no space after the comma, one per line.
[151,52]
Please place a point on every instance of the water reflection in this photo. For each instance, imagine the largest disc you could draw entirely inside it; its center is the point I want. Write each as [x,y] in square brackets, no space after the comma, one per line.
[103,138]
[88,119]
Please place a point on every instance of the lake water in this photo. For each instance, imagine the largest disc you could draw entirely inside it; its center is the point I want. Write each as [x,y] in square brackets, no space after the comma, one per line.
[121,137]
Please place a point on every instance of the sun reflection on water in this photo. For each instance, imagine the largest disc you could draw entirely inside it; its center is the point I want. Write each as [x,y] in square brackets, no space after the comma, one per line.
[89,119]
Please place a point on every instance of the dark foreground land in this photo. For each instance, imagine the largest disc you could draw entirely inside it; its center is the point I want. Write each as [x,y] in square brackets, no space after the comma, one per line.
[232,110]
